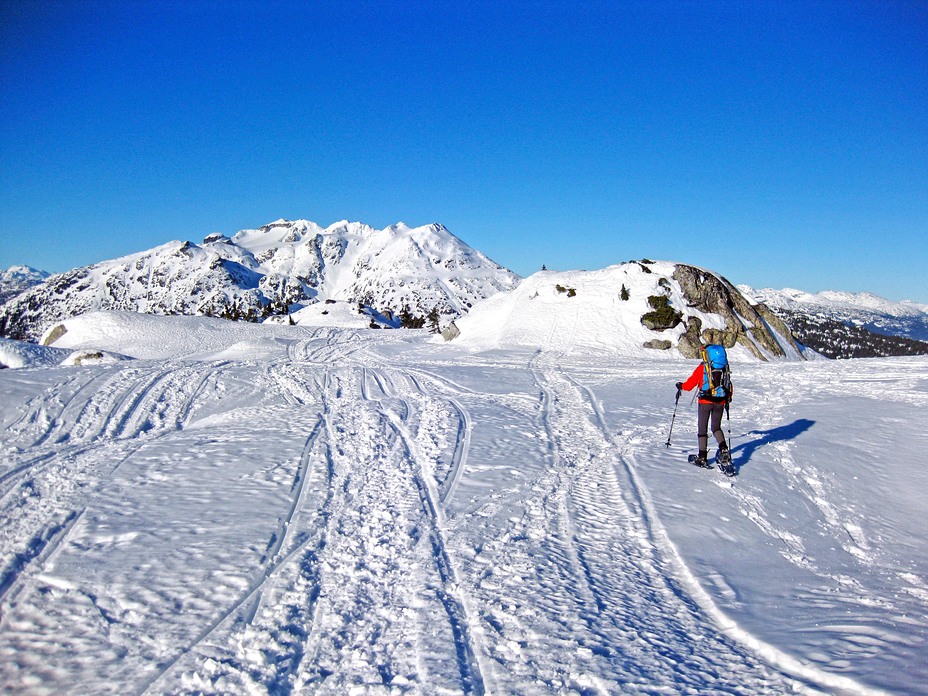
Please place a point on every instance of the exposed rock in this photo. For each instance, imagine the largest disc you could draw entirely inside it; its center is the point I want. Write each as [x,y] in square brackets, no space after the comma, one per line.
[690,342]
[712,294]
[658,344]
[54,334]
[450,332]
[776,323]
[86,357]
[663,317]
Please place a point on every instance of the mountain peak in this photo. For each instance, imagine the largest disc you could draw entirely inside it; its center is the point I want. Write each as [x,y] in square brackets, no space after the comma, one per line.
[278,268]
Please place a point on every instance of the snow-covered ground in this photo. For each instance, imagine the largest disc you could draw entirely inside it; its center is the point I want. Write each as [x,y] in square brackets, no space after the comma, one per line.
[277,509]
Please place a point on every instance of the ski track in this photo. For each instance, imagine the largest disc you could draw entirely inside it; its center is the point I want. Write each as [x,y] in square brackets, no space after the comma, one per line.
[797,673]
[372,578]
[382,500]
[107,428]
[600,574]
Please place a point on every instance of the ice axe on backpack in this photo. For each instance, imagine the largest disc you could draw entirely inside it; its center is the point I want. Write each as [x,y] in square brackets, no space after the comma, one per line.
[672,420]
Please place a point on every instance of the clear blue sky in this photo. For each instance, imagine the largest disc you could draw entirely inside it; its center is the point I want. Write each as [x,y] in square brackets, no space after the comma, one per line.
[778,143]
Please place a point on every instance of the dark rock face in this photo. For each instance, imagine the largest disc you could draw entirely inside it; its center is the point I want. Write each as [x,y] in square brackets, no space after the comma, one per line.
[711,294]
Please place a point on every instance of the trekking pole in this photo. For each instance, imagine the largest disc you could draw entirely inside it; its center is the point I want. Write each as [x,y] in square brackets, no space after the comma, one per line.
[675,404]
[731,445]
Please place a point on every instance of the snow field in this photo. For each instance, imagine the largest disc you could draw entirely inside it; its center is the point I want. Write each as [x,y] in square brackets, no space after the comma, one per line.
[337,511]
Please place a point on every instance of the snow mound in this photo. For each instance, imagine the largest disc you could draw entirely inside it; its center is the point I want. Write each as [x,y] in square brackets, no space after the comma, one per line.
[19,354]
[82,358]
[149,336]
[334,314]
[600,312]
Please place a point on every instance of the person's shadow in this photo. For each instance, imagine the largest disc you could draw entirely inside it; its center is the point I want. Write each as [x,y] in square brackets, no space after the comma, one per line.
[784,432]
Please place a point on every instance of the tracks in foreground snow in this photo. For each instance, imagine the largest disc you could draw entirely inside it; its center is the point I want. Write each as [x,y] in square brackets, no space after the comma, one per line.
[379,552]
[582,550]
[362,591]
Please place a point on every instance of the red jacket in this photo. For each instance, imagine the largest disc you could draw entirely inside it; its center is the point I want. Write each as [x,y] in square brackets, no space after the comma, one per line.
[695,381]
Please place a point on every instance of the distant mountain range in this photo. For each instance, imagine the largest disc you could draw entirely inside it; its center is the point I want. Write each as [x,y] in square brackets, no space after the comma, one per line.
[18,279]
[849,325]
[274,270]
[287,266]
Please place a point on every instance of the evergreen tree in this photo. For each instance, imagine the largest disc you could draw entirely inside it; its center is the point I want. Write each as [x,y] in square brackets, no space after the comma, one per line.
[433,319]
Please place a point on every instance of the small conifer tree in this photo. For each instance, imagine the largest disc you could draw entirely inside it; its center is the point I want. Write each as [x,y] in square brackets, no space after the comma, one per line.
[433,319]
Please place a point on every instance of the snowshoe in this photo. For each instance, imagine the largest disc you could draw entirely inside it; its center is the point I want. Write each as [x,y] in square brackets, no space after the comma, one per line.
[723,459]
[700,461]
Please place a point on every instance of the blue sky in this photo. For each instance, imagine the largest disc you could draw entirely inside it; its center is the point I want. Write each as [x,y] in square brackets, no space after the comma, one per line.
[778,143]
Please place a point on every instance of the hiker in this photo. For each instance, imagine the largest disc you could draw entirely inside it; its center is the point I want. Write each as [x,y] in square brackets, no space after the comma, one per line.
[713,378]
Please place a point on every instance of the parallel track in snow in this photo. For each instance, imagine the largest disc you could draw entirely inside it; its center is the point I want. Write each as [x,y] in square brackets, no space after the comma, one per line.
[408,534]
[684,581]
[473,677]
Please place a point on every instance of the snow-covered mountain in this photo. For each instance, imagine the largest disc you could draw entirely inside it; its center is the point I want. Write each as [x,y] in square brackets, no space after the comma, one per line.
[17,279]
[849,325]
[635,309]
[274,270]
[864,309]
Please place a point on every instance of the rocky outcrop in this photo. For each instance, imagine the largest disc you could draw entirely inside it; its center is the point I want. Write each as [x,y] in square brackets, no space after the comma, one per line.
[53,334]
[662,316]
[450,332]
[749,325]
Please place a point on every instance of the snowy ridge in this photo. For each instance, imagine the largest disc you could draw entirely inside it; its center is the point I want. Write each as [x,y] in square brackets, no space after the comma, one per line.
[597,312]
[17,279]
[278,269]
[906,319]
[257,508]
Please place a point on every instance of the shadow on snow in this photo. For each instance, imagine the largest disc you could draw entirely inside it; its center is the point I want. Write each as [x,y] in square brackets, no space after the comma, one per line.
[742,454]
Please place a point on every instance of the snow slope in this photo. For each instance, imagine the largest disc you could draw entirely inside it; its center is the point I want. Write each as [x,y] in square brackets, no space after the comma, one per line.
[324,510]
[18,354]
[586,312]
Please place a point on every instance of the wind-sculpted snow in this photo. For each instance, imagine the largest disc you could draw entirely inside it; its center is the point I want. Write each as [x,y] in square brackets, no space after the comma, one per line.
[337,511]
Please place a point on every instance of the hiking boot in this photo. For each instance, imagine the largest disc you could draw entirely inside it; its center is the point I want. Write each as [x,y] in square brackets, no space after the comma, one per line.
[723,456]
[701,460]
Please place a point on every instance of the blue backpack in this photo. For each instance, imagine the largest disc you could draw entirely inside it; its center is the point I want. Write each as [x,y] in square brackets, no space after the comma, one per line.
[716,378]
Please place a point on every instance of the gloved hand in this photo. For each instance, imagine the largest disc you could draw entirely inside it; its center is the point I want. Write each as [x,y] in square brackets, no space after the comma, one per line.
[679,386]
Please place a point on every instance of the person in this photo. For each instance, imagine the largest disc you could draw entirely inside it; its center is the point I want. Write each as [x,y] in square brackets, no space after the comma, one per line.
[709,414]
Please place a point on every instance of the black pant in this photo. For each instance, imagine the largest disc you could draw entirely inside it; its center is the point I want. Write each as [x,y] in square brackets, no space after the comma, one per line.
[707,412]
